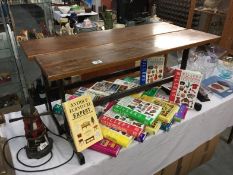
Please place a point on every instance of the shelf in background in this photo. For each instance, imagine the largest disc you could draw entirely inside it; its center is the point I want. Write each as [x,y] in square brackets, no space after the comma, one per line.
[7,59]
[210,12]
[19,2]
[14,80]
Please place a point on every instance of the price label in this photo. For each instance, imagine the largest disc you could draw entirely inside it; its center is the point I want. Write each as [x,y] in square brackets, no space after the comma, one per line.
[43,145]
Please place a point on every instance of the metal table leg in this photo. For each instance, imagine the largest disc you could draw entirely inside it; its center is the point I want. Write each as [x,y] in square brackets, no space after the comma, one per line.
[230,136]
[50,109]
[184,59]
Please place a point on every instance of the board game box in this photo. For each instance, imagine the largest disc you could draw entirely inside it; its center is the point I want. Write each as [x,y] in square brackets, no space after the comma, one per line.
[107,147]
[116,136]
[122,123]
[168,109]
[137,109]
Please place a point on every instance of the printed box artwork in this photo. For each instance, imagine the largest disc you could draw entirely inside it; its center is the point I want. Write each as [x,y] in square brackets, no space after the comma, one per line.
[107,147]
[185,87]
[154,128]
[168,109]
[122,123]
[125,83]
[180,115]
[107,88]
[84,125]
[219,86]
[151,69]
[139,110]
[135,80]
[116,136]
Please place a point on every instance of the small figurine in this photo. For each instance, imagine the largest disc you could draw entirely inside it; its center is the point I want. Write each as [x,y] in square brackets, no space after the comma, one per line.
[57,109]
[66,30]
[23,36]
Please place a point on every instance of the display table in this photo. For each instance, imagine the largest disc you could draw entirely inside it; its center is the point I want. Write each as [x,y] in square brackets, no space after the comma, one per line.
[34,48]
[146,158]
[98,55]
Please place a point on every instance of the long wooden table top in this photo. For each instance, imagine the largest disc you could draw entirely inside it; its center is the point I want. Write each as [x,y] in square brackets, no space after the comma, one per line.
[80,61]
[33,48]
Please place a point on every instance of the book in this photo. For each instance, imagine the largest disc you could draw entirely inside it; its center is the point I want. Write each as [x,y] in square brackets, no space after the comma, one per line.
[85,91]
[107,147]
[95,95]
[151,69]
[135,80]
[168,109]
[137,109]
[218,85]
[80,91]
[116,136]
[180,115]
[121,123]
[185,87]
[83,123]
[129,85]
[151,92]
[107,88]
[154,128]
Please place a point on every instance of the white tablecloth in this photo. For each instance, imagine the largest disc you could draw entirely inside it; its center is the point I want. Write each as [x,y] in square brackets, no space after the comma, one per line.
[140,158]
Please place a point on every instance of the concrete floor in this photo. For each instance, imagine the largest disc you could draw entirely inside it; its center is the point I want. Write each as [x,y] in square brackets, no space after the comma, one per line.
[222,161]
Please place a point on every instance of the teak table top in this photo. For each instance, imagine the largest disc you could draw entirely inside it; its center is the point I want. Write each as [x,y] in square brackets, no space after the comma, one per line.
[49,45]
[79,61]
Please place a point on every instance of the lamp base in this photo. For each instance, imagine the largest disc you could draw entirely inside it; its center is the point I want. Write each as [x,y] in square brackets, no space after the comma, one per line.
[33,153]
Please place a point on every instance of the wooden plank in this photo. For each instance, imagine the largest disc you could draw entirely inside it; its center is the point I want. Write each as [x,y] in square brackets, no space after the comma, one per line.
[191,13]
[210,12]
[34,48]
[208,21]
[80,61]
[170,169]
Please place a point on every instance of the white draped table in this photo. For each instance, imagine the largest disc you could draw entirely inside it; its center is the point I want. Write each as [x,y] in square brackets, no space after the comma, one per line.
[155,153]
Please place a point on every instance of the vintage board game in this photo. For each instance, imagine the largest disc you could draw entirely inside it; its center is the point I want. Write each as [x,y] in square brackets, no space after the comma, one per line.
[141,137]
[168,109]
[125,83]
[107,88]
[116,136]
[218,85]
[84,125]
[185,87]
[135,80]
[154,128]
[151,69]
[180,115]
[137,109]
[107,147]
[122,123]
